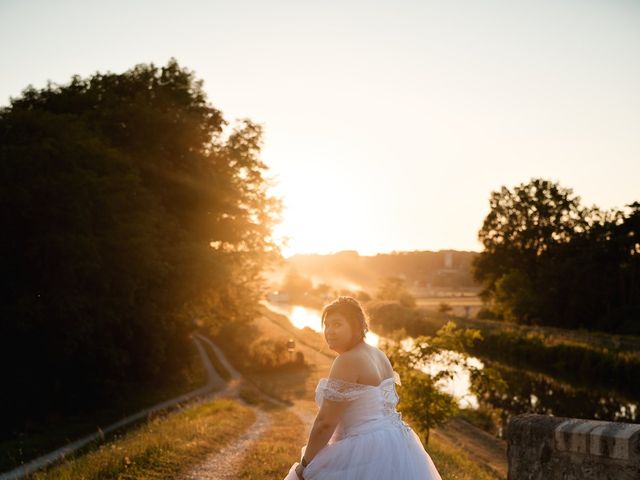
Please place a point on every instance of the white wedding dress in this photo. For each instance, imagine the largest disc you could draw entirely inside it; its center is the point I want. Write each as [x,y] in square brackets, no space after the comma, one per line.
[371,441]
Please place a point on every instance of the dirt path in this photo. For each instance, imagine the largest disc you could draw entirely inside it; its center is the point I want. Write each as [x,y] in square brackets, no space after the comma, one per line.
[224,464]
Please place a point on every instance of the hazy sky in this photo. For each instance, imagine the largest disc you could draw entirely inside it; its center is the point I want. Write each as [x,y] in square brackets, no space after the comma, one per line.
[387,124]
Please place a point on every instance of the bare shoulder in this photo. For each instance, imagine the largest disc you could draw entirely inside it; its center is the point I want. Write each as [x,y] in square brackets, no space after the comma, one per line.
[366,364]
[347,366]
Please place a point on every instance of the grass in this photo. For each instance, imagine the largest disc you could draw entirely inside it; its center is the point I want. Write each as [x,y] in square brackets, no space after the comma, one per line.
[273,454]
[166,447]
[305,336]
[52,434]
[454,464]
[217,364]
[287,384]
[557,335]
[161,449]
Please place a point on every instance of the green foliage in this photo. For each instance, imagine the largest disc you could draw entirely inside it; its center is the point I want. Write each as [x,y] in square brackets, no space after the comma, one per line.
[548,260]
[605,359]
[388,316]
[514,297]
[395,288]
[531,218]
[296,285]
[563,359]
[129,209]
[272,353]
[444,308]
[421,399]
[424,403]
[486,417]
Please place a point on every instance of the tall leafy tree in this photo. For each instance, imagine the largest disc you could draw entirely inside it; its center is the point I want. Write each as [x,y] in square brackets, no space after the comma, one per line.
[549,260]
[130,208]
[522,224]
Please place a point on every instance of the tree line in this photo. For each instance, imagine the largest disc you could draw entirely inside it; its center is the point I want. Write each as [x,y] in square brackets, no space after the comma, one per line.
[549,260]
[131,212]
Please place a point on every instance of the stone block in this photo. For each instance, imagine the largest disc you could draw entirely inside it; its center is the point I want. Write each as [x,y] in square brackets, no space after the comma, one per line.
[615,440]
[572,435]
[543,447]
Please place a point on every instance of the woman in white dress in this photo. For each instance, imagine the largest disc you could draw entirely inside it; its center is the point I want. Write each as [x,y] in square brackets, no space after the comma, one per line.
[358,433]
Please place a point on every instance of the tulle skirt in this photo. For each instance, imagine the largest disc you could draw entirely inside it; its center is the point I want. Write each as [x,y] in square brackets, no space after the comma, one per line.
[384,450]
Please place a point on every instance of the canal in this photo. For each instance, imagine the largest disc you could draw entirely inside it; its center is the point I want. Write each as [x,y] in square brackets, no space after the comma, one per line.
[526,392]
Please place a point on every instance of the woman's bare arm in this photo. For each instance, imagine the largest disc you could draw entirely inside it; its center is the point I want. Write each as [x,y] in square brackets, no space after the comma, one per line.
[320,435]
[344,368]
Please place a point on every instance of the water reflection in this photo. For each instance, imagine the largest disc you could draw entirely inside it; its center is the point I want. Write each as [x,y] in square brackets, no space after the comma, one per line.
[458,386]
[302,317]
[531,392]
[299,316]
[527,392]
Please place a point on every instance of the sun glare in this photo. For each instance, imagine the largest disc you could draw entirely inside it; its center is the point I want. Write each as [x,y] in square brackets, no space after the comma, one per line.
[315,220]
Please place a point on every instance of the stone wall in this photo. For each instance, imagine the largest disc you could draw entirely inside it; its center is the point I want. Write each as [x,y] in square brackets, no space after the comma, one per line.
[541,447]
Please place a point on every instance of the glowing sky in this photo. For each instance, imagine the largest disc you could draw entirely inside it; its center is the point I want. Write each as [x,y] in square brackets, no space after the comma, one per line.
[387,124]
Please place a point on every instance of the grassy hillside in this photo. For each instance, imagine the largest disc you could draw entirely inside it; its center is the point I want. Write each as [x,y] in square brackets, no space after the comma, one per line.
[162,448]
[167,447]
[17,448]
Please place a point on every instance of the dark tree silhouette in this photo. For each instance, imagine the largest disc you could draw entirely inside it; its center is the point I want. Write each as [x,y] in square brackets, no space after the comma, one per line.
[129,208]
[549,260]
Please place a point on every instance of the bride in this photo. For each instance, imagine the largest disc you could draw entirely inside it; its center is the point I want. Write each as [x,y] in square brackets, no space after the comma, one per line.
[358,433]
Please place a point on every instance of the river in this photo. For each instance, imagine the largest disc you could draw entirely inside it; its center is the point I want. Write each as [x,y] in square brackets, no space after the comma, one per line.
[527,392]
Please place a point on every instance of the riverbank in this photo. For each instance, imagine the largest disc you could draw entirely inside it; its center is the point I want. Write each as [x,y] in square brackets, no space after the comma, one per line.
[577,357]
[574,361]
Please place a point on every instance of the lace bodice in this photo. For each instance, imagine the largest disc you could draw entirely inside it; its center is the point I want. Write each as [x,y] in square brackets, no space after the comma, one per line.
[370,441]
[343,391]
[367,403]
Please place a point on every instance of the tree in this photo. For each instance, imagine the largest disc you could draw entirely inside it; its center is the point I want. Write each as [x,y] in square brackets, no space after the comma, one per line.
[548,260]
[532,217]
[129,207]
[513,298]
[422,398]
[603,266]
[444,308]
[521,226]
[395,288]
[296,285]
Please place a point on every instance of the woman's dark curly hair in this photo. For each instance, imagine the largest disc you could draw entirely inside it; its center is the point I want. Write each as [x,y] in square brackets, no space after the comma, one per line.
[351,310]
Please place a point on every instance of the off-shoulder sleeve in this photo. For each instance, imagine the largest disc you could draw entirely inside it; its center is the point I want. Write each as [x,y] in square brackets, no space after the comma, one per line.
[339,390]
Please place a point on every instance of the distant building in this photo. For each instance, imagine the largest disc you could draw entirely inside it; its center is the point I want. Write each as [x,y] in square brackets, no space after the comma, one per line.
[448,260]
[448,264]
